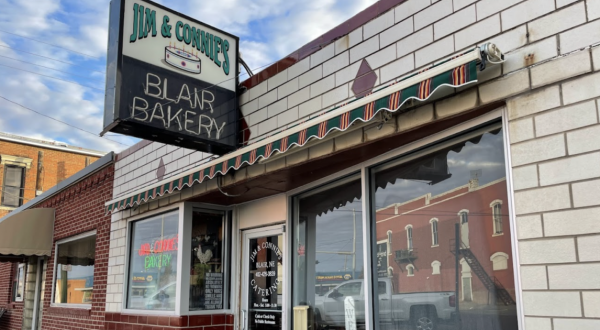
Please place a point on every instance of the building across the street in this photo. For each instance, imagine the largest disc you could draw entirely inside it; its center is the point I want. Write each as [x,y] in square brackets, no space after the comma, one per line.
[29,167]
[424,165]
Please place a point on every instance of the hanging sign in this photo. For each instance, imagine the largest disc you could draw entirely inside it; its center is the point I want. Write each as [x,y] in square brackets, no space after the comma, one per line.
[170,78]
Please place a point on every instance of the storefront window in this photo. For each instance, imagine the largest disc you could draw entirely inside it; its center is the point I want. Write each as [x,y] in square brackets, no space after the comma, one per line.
[153,263]
[206,268]
[74,281]
[328,261]
[454,185]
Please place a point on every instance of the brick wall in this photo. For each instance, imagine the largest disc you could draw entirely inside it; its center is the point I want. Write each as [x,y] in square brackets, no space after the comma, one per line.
[58,165]
[13,317]
[80,209]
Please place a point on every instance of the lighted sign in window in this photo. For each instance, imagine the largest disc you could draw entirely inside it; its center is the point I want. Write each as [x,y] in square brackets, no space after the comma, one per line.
[153,263]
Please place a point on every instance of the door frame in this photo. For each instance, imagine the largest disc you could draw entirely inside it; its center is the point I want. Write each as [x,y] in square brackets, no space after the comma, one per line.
[39,278]
[246,236]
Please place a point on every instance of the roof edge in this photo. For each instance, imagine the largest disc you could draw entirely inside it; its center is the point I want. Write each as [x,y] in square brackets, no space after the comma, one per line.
[85,172]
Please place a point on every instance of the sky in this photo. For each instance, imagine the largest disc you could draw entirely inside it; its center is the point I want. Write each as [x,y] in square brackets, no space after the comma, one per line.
[53,56]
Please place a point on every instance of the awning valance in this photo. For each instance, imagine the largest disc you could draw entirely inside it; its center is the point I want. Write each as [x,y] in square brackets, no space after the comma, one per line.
[455,72]
[27,233]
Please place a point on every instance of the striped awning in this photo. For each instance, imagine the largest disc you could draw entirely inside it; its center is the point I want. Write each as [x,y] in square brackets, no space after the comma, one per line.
[455,72]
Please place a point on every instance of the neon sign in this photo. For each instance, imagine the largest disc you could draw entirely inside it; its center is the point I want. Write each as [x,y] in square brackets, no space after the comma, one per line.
[153,252]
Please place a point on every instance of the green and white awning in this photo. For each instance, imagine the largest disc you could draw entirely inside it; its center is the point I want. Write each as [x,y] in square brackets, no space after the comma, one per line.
[455,72]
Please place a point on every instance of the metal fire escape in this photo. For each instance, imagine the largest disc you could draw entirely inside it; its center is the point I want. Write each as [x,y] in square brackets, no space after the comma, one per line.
[490,282]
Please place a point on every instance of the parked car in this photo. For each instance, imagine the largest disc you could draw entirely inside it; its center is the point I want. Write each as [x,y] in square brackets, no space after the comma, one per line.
[163,298]
[423,309]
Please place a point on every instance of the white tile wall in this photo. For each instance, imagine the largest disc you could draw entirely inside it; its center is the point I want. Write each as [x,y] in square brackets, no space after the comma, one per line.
[554,129]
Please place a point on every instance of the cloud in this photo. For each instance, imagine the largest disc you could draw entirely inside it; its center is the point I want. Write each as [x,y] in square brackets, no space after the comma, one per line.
[268,30]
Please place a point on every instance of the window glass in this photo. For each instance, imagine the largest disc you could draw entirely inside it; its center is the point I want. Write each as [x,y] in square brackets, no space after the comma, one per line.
[75,271]
[206,272]
[19,283]
[434,232]
[497,213]
[153,262]
[454,184]
[12,186]
[327,259]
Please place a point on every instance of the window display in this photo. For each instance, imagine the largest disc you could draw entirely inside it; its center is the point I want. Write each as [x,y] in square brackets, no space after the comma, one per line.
[206,268]
[74,271]
[446,261]
[153,257]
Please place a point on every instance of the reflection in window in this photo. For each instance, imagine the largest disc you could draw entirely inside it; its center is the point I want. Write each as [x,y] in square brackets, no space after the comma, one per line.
[153,262]
[434,232]
[74,271]
[206,272]
[435,265]
[499,260]
[497,216]
[409,237]
[327,262]
[437,196]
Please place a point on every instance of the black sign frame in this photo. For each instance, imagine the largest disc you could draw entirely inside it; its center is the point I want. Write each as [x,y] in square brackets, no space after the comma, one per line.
[113,119]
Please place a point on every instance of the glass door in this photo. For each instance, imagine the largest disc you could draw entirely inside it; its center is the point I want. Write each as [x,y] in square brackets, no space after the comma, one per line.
[263,274]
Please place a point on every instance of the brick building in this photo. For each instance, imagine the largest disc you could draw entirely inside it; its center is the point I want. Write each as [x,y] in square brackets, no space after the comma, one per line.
[29,281]
[29,167]
[419,262]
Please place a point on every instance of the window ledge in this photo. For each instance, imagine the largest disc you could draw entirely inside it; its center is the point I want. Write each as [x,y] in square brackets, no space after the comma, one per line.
[149,312]
[76,310]
[500,234]
[7,208]
[435,245]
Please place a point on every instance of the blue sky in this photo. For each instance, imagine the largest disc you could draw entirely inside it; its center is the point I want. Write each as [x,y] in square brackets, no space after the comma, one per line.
[268,30]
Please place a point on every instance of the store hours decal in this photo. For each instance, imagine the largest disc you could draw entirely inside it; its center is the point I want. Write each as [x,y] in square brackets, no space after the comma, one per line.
[269,272]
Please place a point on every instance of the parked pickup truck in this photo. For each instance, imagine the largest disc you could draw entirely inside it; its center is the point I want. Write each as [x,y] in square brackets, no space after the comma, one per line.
[423,309]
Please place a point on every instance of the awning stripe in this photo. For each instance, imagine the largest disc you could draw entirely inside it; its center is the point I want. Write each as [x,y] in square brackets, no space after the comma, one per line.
[421,91]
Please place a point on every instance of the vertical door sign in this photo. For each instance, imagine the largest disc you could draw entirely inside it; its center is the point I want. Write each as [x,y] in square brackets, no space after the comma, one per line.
[350,313]
[170,78]
[264,284]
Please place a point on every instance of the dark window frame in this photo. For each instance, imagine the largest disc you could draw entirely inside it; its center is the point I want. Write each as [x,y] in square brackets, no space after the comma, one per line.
[21,188]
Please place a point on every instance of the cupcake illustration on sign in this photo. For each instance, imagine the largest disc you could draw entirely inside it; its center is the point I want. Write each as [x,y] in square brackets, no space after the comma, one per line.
[181,59]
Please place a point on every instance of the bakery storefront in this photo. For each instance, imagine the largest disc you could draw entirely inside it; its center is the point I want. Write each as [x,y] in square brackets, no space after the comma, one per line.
[370,215]
[377,186]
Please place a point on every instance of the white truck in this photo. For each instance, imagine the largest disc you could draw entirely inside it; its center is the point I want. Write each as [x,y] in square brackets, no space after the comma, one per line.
[425,310]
